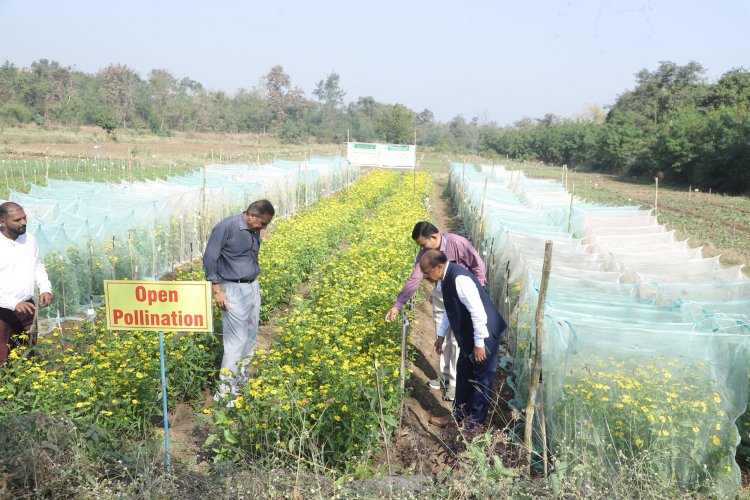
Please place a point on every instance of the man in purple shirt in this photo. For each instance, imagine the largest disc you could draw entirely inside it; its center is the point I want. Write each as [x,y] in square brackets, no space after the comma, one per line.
[457,249]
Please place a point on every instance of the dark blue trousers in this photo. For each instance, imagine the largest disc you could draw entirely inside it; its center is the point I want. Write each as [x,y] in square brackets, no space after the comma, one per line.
[474,385]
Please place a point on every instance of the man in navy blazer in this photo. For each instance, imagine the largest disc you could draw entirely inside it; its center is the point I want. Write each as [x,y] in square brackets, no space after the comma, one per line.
[478,326]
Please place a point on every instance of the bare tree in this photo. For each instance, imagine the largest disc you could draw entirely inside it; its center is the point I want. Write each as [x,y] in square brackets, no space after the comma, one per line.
[117,86]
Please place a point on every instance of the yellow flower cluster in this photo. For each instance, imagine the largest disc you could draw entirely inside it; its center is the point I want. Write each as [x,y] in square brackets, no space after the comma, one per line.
[664,410]
[95,376]
[299,243]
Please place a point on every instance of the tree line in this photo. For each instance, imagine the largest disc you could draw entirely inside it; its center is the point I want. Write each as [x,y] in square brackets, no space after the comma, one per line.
[673,124]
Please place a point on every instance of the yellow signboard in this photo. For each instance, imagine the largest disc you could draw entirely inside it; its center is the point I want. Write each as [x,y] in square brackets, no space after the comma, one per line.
[159,305]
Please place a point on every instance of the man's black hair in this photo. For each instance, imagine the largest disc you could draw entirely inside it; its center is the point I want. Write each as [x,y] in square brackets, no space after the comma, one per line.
[424,229]
[261,207]
[7,207]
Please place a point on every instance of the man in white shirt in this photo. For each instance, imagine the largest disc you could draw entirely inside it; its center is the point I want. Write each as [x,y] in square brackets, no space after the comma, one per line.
[478,327]
[21,269]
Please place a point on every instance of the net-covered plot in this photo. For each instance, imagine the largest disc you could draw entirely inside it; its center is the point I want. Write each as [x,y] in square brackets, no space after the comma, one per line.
[645,350]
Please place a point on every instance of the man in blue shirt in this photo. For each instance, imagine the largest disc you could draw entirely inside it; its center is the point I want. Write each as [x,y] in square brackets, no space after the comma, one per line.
[231,265]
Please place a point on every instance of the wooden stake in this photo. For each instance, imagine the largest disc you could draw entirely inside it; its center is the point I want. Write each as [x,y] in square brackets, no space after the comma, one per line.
[543,430]
[570,209]
[204,218]
[534,383]
[481,216]
[62,283]
[382,419]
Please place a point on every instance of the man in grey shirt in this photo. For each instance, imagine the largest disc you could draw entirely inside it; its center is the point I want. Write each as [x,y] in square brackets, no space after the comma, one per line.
[231,265]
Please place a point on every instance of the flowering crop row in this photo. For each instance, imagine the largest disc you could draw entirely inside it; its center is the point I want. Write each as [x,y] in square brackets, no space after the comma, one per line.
[667,412]
[111,379]
[300,243]
[108,381]
[316,392]
[105,381]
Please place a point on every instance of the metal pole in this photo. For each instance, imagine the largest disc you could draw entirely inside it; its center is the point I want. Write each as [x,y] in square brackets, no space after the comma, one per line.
[164,400]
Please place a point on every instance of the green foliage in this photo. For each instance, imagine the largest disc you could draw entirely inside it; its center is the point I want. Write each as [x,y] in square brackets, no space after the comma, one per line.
[653,128]
[107,121]
[104,379]
[479,473]
[395,123]
[671,124]
[14,113]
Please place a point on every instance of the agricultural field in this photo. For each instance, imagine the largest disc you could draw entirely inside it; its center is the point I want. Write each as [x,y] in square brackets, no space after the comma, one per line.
[328,410]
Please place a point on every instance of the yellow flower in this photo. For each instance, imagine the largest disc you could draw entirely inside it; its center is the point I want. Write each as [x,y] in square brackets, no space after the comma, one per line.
[638,442]
[134,401]
[717,398]
[696,429]
[718,427]
[650,418]
[715,440]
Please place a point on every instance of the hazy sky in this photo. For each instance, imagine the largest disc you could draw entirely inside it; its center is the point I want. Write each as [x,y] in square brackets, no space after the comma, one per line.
[497,60]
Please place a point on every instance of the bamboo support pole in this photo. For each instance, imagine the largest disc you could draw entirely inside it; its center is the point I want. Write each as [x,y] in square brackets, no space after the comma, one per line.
[543,431]
[570,208]
[463,179]
[204,218]
[62,283]
[382,419]
[537,371]
[478,239]
[656,197]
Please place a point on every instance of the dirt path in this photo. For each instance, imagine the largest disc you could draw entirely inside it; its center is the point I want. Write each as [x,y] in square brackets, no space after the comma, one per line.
[420,447]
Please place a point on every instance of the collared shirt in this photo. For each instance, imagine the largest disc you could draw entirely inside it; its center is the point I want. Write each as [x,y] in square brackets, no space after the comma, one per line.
[469,296]
[457,249]
[21,268]
[232,251]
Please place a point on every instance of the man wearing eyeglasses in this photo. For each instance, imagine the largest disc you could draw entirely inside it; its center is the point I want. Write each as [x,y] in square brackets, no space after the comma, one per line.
[478,327]
[231,265]
[458,249]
